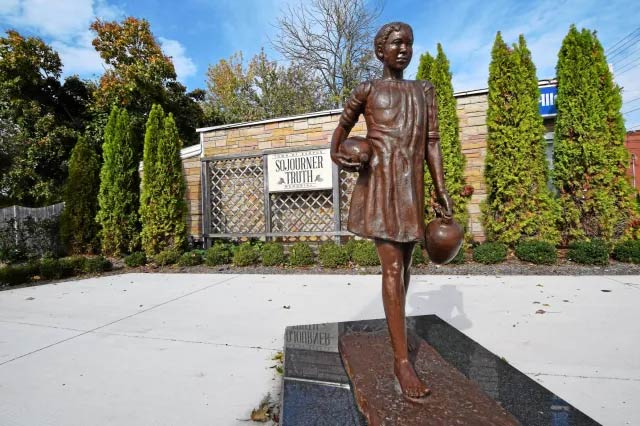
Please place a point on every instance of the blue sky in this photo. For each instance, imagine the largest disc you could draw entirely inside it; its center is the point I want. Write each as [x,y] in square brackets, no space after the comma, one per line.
[197,33]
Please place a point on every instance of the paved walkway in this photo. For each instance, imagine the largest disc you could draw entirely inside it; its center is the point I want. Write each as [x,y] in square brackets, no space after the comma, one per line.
[188,349]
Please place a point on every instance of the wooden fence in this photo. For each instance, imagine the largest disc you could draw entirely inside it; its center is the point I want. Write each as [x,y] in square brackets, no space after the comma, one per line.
[38,213]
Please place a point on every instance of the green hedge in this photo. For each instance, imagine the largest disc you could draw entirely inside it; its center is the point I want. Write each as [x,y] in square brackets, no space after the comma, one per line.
[490,252]
[300,254]
[273,254]
[52,269]
[97,264]
[18,274]
[594,252]
[190,258]
[627,251]
[332,255]
[167,257]
[218,254]
[135,259]
[365,254]
[246,255]
[537,251]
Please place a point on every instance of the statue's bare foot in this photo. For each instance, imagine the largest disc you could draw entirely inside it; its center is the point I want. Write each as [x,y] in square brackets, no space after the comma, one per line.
[412,386]
[413,341]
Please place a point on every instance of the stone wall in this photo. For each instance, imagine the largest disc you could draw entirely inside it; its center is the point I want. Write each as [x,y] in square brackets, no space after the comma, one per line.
[472,115]
[191,169]
[315,130]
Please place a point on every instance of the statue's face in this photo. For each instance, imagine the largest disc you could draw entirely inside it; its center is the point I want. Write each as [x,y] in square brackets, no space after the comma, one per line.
[398,49]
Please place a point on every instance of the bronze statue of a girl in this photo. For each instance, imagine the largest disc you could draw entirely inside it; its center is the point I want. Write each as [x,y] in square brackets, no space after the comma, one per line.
[387,204]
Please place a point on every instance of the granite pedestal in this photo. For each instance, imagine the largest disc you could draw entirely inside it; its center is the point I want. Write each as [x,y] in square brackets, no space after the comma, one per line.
[318,391]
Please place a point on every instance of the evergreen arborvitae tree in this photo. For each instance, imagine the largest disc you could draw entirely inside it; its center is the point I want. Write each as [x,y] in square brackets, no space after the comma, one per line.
[149,190]
[78,227]
[425,66]
[164,223]
[519,204]
[172,206]
[119,187]
[589,155]
[453,160]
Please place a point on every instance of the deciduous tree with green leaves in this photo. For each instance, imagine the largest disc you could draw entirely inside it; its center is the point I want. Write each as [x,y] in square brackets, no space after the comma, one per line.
[78,227]
[43,117]
[589,156]
[260,90]
[139,75]
[519,204]
[119,195]
[163,208]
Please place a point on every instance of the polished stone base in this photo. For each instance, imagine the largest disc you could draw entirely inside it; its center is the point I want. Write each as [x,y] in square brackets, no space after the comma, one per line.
[317,389]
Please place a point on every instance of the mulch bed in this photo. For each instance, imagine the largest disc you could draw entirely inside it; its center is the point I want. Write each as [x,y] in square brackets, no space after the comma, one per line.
[512,266]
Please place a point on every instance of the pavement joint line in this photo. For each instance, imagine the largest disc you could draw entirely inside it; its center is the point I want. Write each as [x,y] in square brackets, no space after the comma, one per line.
[632,285]
[572,376]
[200,342]
[118,320]
[40,325]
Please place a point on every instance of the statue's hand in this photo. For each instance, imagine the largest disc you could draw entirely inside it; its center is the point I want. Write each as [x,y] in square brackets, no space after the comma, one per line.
[345,162]
[445,206]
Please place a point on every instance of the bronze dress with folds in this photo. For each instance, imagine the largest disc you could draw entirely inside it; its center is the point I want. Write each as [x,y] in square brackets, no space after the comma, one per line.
[388,199]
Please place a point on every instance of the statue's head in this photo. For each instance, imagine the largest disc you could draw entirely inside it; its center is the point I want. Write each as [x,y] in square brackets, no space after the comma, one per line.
[393,45]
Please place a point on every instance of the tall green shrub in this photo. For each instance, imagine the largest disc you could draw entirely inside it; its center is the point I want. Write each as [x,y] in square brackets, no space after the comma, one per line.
[425,66]
[163,207]
[149,188]
[78,227]
[589,155]
[453,161]
[519,204]
[119,185]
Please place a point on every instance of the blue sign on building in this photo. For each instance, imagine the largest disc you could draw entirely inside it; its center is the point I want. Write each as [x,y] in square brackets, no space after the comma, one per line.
[547,101]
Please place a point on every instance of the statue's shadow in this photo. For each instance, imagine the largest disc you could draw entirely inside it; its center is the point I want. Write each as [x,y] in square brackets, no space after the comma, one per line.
[446,302]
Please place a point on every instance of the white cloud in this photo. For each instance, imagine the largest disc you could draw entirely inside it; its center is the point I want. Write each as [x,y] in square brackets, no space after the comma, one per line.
[183,64]
[79,56]
[59,19]
[65,26]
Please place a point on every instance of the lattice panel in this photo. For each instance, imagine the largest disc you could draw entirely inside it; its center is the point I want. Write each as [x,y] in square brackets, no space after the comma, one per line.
[347,183]
[302,211]
[237,203]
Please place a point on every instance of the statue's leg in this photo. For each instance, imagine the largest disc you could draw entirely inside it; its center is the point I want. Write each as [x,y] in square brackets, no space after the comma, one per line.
[392,257]
[413,341]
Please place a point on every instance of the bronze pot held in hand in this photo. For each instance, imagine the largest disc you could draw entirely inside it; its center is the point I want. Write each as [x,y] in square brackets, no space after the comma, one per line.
[443,237]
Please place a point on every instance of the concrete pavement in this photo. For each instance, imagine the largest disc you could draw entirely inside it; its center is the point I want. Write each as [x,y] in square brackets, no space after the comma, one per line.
[196,349]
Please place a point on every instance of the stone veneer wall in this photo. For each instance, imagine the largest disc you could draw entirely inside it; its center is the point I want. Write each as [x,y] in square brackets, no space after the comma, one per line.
[191,170]
[315,130]
[472,116]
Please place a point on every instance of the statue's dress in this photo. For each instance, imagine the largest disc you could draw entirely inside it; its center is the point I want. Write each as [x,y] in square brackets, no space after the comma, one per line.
[388,199]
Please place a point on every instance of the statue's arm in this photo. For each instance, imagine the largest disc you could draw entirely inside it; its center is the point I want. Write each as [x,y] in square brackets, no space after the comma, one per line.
[434,154]
[353,107]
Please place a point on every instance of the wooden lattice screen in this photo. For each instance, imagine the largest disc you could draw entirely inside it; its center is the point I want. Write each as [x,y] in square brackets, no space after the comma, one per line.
[237,204]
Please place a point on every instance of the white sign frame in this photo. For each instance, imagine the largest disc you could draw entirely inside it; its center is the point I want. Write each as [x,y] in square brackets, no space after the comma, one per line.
[293,171]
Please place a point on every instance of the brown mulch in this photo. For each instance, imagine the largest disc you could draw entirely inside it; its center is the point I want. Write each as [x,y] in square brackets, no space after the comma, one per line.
[512,266]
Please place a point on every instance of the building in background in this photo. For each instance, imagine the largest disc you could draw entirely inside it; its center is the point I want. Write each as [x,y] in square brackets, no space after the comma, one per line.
[274,178]
[632,142]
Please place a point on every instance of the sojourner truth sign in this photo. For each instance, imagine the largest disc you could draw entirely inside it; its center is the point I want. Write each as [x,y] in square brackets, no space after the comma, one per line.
[300,171]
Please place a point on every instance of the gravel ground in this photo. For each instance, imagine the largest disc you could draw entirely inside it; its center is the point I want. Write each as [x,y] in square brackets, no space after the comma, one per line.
[512,266]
